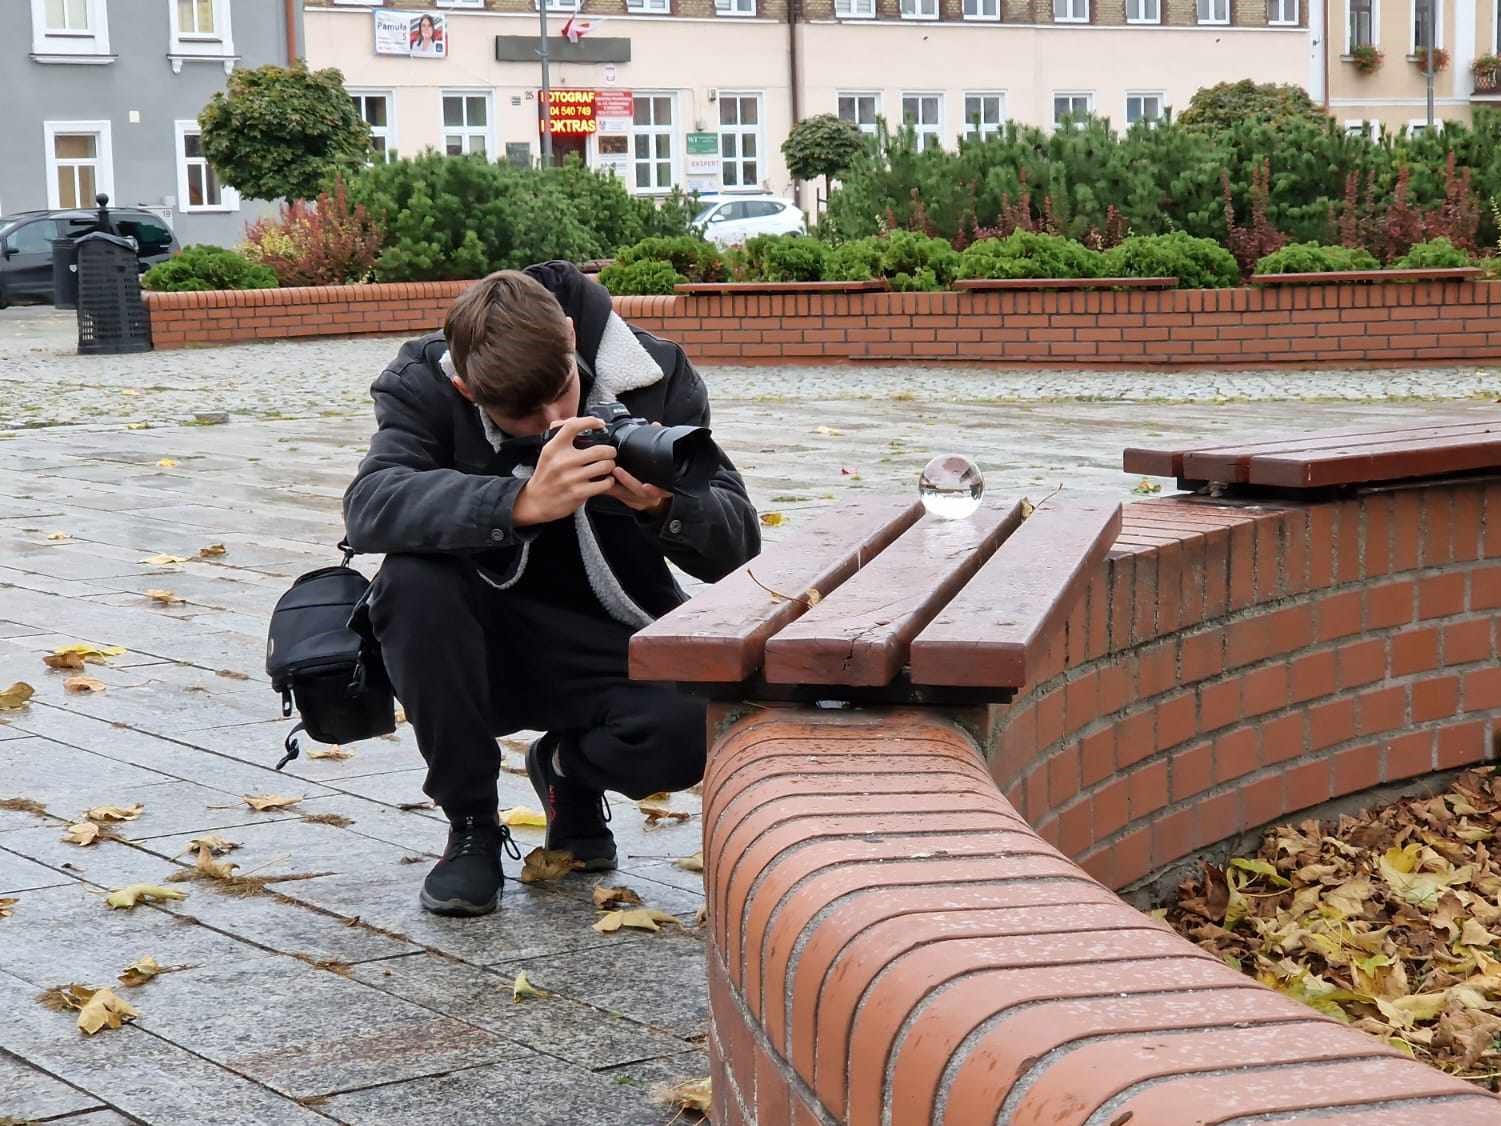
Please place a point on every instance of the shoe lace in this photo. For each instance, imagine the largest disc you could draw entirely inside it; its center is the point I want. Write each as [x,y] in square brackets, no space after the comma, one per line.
[476,838]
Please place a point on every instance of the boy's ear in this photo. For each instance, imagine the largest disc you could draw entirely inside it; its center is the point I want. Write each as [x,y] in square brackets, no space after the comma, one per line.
[573,336]
[458,385]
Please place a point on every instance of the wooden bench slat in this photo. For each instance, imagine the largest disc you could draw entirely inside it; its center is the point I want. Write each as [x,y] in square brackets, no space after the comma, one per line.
[860,634]
[1389,462]
[718,636]
[1167,461]
[1234,465]
[992,634]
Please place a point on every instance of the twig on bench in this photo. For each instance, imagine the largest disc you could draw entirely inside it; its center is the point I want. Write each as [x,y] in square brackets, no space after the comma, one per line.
[806,603]
[1028,507]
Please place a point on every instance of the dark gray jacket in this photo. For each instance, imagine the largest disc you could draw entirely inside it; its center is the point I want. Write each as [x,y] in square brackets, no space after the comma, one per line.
[435,480]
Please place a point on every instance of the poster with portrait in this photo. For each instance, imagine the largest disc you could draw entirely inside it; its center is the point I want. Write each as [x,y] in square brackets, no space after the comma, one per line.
[416,35]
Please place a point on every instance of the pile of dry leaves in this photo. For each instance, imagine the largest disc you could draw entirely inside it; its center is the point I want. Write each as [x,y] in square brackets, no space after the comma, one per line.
[1390,923]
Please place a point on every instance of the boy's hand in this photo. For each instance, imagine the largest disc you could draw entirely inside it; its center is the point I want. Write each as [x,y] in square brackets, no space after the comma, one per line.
[637,494]
[565,477]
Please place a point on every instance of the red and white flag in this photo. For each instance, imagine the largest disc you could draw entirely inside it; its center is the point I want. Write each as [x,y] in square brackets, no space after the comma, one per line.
[575,28]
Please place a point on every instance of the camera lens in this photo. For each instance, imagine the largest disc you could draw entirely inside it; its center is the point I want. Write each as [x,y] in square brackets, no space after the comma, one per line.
[677,458]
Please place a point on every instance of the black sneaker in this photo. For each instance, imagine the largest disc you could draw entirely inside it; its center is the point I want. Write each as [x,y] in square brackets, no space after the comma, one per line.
[467,880]
[575,816]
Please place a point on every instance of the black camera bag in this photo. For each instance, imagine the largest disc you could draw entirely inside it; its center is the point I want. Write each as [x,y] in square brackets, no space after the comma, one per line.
[317,659]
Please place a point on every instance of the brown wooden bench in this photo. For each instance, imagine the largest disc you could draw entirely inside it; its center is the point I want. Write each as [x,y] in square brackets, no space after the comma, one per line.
[876,601]
[1383,452]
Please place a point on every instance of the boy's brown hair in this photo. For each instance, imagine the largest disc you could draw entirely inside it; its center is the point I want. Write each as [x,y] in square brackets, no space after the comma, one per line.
[510,343]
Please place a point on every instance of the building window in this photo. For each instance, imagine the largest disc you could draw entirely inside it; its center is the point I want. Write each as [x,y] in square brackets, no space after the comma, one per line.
[200,30]
[651,142]
[855,9]
[569,6]
[466,124]
[984,114]
[1070,109]
[919,9]
[740,140]
[1213,11]
[79,160]
[1070,11]
[1143,107]
[982,9]
[860,110]
[1283,13]
[1144,11]
[196,18]
[375,107]
[649,7]
[1420,23]
[1361,31]
[70,31]
[924,114]
[1367,129]
[198,188]
[735,7]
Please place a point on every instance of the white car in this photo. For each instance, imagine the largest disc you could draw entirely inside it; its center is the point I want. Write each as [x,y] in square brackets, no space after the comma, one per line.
[727,220]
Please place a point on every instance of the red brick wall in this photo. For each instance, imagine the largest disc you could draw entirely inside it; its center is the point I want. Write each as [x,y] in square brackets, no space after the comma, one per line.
[1382,324]
[906,929]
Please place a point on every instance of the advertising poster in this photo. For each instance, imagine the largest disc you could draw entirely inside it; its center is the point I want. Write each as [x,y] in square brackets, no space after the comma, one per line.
[417,35]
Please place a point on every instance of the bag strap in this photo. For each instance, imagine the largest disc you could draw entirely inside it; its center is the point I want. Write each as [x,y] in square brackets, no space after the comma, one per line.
[291,745]
[349,552]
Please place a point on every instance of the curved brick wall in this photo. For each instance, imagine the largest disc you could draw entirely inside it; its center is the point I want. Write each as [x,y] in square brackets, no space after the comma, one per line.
[893,943]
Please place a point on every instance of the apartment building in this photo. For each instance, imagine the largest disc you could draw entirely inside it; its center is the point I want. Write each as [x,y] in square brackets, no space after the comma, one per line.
[103,96]
[1393,93]
[701,93]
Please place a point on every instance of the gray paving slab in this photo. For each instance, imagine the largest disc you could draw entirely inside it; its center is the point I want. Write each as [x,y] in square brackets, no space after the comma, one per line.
[18,874]
[28,1094]
[105,864]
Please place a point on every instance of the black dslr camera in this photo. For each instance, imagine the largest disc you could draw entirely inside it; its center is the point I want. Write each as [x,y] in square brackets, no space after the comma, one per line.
[680,459]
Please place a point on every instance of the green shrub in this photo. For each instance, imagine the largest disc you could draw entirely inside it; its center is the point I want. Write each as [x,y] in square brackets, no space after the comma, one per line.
[202,267]
[1027,254]
[1435,254]
[910,260]
[784,258]
[640,277]
[1197,263]
[1311,258]
[692,257]
[856,260]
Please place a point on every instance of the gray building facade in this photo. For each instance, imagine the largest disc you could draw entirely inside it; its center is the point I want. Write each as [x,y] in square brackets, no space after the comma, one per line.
[103,96]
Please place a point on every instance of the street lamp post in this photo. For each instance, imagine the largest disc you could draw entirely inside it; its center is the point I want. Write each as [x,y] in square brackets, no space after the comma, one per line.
[1430,29]
[546,118]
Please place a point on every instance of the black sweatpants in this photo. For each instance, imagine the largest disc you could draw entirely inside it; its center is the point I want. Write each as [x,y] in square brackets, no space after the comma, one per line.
[470,662]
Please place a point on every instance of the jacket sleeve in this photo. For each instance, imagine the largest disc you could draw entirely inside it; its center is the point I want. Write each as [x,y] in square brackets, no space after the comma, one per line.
[404,499]
[708,536]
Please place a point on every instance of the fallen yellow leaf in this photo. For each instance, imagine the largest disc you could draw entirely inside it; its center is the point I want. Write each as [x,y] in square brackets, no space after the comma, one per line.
[167,463]
[58,536]
[542,865]
[519,816]
[773,519]
[827,431]
[656,811]
[140,971]
[105,1010]
[701,916]
[163,559]
[14,698]
[263,802]
[165,597]
[128,897]
[640,918]
[137,425]
[63,660]
[212,551]
[115,812]
[5,906]
[83,833]
[77,684]
[1146,487]
[232,674]
[690,1094]
[607,898]
[217,869]
[521,988]
[214,843]
[335,752]
[694,863]
[90,652]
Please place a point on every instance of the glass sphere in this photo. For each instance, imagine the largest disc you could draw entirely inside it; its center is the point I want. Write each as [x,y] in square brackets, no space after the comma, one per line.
[951,487]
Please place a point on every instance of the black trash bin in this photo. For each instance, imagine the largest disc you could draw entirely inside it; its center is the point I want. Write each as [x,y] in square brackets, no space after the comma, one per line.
[111,316]
[65,273]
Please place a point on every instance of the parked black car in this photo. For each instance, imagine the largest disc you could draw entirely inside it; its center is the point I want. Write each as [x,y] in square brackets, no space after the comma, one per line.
[26,244]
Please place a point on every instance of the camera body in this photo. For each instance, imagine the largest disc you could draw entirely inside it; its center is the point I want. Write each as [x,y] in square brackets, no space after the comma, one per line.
[680,459]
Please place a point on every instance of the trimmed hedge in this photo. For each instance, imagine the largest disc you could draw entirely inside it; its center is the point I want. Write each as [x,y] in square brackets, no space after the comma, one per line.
[201,267]
[640,278]
[1435,254]
[1197,263]
[1027,254]
[1311,258]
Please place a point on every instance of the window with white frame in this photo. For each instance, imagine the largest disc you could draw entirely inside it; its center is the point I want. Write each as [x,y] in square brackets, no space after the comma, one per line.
[1282,13]
[860,110]
[377,109]
[1213,11]
[569,6]
[198,187]
[1419,24]
[1362,24]
[923,113]
[984,114]
[647,7]
[1143,107]
[1070,11]
[982,9]
[1419,125]
[1072,108]
[1143,11]
[70,31]
[200,30]
[1358,128]
[466,123]
[652,142]
[919,9]
[735,7]
[855,9]
[740,140]
[80,162]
